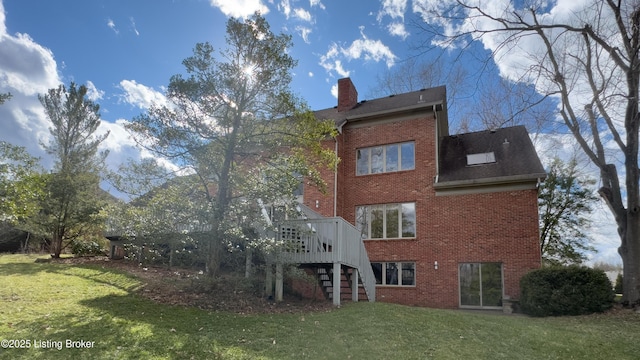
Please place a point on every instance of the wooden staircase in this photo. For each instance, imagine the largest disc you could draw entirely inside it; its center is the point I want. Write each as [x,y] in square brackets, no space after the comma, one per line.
[324,274]
[333,248]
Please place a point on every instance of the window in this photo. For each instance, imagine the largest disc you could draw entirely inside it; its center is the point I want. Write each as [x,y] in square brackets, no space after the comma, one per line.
[394,273]
[387,221]
[481,158]
[480,284]
[387,158]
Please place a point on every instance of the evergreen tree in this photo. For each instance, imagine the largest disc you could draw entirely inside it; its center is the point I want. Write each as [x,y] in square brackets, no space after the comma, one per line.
[71,204]
[564,202]
[233,122]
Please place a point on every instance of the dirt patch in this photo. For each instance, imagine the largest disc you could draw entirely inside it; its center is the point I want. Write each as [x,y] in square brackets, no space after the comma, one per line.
[187,287]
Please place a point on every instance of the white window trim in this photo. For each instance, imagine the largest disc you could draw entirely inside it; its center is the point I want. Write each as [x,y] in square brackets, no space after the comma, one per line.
[384,160]
[384,221]
[399,267]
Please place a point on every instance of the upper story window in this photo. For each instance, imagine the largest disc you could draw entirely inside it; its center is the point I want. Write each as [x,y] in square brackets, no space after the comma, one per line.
[387,221]
[385,158]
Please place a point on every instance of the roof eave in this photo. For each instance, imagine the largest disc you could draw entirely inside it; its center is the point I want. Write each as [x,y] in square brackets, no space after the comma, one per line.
[429,106]
[500,180]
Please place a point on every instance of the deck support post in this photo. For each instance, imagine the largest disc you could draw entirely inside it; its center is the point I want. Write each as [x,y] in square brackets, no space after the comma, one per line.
[268,283]
[279,281]
[336,283]
[354,284]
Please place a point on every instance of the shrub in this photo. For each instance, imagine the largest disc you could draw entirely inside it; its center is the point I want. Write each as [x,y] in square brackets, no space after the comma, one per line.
[86,248]
[573,290]
[618,286]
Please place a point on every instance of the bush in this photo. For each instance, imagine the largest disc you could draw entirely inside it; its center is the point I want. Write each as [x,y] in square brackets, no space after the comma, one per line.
[618,286]
[573,290]
[86,248]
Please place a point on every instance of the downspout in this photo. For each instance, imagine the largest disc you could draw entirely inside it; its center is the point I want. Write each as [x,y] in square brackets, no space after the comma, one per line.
[437,142]
[335,174]
[335,183]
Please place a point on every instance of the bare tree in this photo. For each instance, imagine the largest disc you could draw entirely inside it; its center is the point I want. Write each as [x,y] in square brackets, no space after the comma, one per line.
[587,59]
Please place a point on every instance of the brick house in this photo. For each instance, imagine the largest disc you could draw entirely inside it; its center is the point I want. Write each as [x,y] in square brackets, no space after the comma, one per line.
[447,221]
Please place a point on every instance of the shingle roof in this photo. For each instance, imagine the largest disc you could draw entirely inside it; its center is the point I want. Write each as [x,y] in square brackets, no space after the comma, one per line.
[425,97]
[515,157]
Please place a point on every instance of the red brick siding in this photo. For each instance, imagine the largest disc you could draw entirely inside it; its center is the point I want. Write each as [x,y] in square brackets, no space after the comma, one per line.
[315,199]
[490,227]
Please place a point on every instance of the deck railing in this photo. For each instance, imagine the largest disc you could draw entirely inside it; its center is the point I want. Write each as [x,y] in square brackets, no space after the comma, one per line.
[326,240]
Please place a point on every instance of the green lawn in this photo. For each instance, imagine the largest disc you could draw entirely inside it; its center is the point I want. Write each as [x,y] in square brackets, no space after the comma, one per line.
[44,304]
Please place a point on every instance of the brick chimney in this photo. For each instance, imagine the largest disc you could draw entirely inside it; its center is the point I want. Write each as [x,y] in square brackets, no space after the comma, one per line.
[347,94]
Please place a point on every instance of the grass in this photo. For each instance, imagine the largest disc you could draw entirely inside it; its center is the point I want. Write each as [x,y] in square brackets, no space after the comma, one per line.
[43,302]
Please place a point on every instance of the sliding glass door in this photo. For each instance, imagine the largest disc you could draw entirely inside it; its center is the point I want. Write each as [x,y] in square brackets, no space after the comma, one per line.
[480,285]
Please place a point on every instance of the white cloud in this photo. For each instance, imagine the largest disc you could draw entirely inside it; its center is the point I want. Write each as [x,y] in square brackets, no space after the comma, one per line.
[395,9]
[140,95]
[370,50]
[334,90]
[310,74]
[285,7]
[398,29]
[93,93]
[118,139]
[363,48]
[112,26]
[302,14]
[133,26]
[27,69]
[3,27]
[240,8]
[317,3]
[25,66]
[304,33]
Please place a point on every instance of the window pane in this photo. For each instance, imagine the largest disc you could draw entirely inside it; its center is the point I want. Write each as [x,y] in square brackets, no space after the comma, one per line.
[409,220]
[407,154]
[393,221]
[470,284]
[361,221]
[377,271]
[408,273]
[362,163]
[491,274]
[392,274]
[377,160]
[377,222]
[392,158]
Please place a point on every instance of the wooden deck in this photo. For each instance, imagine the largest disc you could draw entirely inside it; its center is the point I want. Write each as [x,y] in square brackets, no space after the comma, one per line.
[331,244]
[328,241]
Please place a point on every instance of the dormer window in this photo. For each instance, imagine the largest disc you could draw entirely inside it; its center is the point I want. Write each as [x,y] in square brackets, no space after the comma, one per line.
[481,158]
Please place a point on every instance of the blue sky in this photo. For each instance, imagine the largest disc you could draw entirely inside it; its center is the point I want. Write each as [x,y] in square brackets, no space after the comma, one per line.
[125,51]
[107,42]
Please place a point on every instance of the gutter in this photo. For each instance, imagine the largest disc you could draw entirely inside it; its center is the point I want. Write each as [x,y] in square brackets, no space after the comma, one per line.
[499,180]
[418,106]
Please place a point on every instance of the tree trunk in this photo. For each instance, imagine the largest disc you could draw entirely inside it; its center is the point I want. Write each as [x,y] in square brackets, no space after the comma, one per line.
[248,262]
[212,264]
[56,245]
[25,247]
[222,200]
[630,253]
